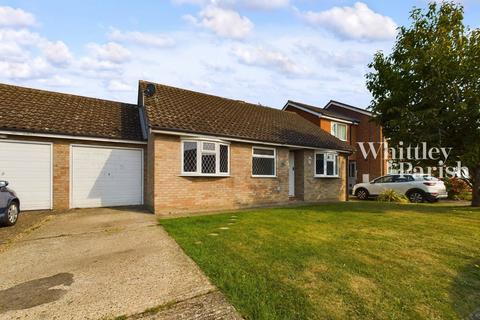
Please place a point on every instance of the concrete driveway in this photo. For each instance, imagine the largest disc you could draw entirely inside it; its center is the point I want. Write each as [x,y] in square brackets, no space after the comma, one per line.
[103,263]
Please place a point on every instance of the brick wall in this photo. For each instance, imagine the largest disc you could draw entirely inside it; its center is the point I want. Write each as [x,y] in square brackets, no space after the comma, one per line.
[299,174]
[173,193]
[61,165]
[324,189]
[366,131]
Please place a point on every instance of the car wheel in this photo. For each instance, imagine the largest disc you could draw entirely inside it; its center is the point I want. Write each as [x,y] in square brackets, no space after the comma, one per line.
[416,196]
[362,194]
[11,216]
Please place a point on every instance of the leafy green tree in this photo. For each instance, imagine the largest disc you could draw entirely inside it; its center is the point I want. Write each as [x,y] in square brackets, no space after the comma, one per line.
[428,87]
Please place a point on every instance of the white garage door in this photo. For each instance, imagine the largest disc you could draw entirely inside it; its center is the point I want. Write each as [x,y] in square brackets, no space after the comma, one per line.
[27,166]
[103,177]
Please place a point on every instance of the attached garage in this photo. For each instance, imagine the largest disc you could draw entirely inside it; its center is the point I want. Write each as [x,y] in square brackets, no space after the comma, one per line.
[105,176]
[27,166]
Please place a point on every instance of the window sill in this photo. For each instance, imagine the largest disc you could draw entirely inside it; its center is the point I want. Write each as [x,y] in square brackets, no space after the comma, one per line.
[263,177]
[196,175]
[327,177]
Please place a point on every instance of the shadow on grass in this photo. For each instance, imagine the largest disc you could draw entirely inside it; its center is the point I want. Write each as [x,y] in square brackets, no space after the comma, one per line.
[384,207]
[465,292]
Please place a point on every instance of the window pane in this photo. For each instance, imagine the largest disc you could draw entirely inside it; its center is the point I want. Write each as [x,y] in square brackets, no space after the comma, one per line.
[208,163]
[208,146]
[223,158]
[263,152]
[189,156]
[342,131]
[263,166]
[336,165]
[319,166]
[330,168]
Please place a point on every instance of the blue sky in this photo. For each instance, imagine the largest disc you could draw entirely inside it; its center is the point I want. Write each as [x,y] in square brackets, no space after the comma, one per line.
[261,51]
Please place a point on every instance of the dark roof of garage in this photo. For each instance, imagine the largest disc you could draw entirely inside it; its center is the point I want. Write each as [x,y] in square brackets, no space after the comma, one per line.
[38,111]
[174,109]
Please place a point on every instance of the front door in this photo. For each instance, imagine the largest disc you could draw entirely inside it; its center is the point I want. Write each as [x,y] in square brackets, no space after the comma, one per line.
[291,174]
[352,175]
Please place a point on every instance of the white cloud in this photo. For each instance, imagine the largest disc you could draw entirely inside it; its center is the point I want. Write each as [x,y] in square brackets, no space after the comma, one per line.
[10,51]
[223,22]
[251,4]
[57,53]
[11,17]
[356,22]
[109,52]
[141,38]
[32,69]
[118,85]
[57,81]
[259,56]
[201,85]
[89,63]
[22,37]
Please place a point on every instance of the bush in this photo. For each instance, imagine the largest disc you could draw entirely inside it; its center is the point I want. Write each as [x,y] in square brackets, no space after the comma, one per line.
[458,189]
[392,196]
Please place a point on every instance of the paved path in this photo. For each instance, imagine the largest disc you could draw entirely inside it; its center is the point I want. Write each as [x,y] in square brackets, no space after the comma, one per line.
[103,263]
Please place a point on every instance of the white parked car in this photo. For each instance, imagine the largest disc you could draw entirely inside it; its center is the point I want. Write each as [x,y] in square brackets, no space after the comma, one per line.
[417,187]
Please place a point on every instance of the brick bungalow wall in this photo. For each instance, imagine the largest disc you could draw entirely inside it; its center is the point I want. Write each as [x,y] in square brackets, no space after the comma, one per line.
[169,192]
[61,164]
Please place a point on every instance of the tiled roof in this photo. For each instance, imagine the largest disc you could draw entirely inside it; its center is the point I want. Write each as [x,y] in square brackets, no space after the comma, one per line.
[322,111]
[175,109]
[39,111]
[348,106]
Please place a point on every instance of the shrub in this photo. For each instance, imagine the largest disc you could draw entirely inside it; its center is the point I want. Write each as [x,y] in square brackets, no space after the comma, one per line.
[392,196]
[457,189]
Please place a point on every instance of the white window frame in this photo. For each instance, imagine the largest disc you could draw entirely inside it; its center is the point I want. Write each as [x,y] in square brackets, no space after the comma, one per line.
[200,151]
[336,162]
[334,130]
[274,157]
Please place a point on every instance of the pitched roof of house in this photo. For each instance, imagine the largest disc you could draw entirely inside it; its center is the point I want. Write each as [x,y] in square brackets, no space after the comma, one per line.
[347,106]
[38,111]
[174,109]
[322,111]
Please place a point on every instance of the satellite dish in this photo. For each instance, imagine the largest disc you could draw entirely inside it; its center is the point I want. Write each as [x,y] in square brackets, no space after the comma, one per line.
[150,90]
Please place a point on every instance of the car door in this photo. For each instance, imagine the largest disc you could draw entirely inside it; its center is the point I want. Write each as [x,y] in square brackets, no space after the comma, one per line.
[4,196]
[388,183]
[379,185]
[403,183]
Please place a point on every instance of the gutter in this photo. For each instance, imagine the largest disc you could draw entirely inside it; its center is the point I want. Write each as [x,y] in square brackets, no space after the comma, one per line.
[200,135]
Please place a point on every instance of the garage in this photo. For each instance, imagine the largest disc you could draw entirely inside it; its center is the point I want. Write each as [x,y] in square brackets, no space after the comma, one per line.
[105,176]
[27,166]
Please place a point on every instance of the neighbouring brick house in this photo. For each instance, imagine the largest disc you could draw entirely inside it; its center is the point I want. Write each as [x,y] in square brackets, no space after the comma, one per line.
[352,125]
[175,151]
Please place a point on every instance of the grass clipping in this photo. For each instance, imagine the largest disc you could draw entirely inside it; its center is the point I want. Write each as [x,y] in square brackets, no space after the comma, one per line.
[392,196]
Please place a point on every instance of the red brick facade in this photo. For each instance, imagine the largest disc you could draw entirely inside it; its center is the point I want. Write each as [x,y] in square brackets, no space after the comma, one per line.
[363,131]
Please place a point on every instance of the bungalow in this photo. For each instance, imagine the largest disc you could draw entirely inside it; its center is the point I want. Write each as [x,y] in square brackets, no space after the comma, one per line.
[175,151]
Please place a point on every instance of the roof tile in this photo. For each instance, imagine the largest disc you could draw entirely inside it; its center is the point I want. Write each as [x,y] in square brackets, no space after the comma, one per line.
[39,111]
[171,108]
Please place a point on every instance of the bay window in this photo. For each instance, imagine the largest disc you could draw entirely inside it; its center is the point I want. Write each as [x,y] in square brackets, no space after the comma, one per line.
[205,158]
[326,164]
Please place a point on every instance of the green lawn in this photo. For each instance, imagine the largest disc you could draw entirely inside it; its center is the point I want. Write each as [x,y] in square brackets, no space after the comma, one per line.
[353,260]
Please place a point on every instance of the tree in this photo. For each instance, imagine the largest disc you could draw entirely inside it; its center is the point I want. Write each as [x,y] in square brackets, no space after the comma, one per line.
[428,88]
